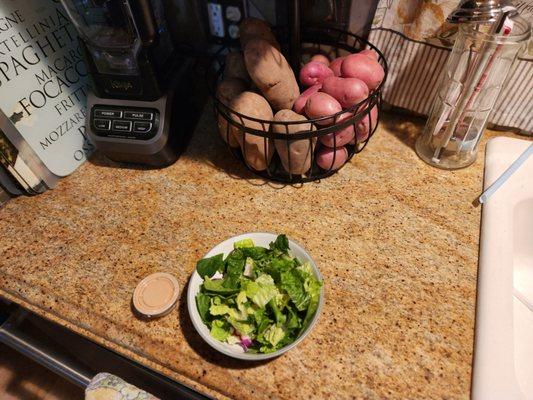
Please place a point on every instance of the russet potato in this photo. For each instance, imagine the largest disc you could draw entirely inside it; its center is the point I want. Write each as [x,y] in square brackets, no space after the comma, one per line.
[257,150]
[227,90]
[295,155]
[272,74]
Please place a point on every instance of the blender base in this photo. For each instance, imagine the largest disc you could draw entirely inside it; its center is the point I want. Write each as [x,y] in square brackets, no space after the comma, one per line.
[152,133]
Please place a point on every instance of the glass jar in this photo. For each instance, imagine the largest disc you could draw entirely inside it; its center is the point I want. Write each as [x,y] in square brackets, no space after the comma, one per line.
[474,76]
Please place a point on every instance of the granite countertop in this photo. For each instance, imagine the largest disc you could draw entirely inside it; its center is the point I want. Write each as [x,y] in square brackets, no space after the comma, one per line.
[396,242]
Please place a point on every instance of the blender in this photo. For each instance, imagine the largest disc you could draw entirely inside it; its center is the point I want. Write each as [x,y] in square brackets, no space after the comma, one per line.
[142,108]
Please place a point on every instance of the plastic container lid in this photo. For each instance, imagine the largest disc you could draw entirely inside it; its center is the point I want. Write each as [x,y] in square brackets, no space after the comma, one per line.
[156,295]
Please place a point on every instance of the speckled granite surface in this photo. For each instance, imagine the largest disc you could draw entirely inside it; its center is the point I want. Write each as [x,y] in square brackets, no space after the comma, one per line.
[395,240]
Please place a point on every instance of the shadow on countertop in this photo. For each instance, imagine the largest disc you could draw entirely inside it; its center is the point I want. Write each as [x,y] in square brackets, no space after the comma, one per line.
[406,127]
[203,349]
[100,160]
[206,146]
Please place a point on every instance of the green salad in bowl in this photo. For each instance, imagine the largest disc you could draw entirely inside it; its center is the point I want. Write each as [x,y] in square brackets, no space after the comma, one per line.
[259,298]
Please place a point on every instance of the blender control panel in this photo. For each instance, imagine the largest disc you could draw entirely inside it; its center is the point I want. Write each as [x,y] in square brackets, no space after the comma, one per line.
[129,123]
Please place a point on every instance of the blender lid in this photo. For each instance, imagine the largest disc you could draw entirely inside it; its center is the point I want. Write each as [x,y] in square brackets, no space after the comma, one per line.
[109,31]
[103,24]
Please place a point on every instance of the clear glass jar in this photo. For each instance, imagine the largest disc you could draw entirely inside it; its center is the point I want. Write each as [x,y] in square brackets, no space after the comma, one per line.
[474,76]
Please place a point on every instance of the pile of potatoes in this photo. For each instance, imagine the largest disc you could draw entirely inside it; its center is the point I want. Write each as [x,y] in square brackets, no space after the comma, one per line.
[259,83]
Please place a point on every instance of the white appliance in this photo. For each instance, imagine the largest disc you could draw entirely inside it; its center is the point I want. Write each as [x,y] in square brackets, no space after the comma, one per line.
[503,354]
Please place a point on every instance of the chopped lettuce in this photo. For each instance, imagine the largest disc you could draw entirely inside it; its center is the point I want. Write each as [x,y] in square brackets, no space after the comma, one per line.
[232,339]
[293,283]
[203,302]
[235,263]
[242,328]
[255,253]
[241,300]
[278,315]
[243,243]
[293,321]
[220,330]
[249,267]
[219,309]
[261,291]
[219,286]
[281,244]
[209,266]
[223,309]
[260,298]
[273,334]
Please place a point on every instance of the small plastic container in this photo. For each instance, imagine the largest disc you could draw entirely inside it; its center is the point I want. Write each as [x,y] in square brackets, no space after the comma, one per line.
[156,295]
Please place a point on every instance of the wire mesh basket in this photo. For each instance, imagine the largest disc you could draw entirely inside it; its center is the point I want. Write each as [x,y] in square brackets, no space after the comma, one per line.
[303,156]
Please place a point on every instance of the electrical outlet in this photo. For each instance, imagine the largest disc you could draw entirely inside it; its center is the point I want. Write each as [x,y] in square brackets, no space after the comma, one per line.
[216,19]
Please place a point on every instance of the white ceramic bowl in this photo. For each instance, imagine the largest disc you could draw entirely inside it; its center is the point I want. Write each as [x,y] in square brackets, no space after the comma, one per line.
[236,351]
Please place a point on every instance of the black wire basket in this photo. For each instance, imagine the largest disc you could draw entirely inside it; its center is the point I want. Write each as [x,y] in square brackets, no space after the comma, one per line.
[320,161]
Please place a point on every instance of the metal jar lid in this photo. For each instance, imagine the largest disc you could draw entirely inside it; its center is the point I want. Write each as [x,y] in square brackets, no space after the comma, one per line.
[480,11]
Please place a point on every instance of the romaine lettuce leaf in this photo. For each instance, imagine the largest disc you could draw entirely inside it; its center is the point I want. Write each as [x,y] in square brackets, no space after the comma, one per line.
[232,339]
[256,253]
[293,284]
[249,267]
[234,267]
[279,265]
[218,308]
[311,310]
[282,300]
[220,330]
[203,302]
[243,243]
[208,266]
[293,321]
[217,286]
[265,279]
[307,269]
[273,334]
[262,325]
[242,301]
[261,290]
[278,316]
[242,328]
[313,287]
[281,244]
[223,309]
[267,349]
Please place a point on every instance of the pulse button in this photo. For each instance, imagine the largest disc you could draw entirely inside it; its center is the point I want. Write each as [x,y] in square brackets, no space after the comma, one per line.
[142,127]
[122,126]
[147,116]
